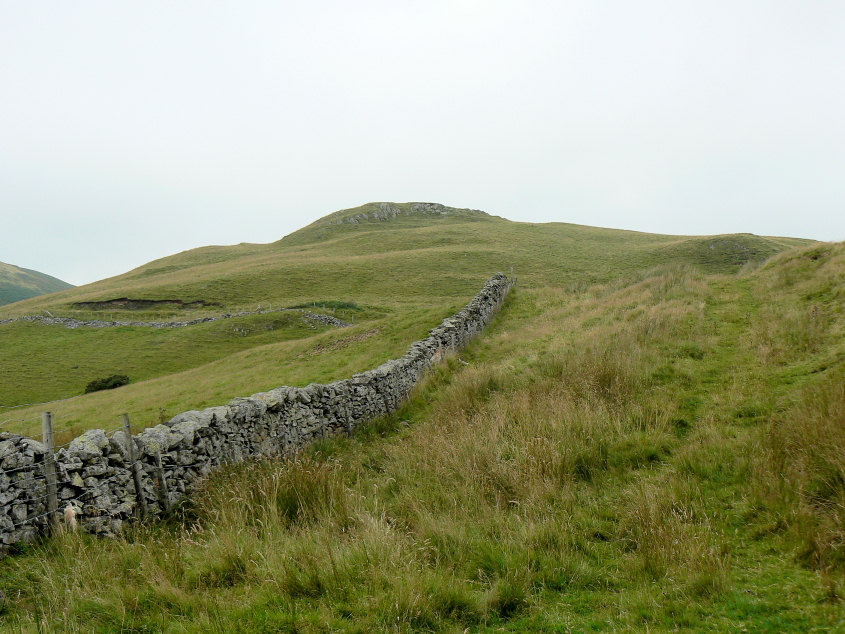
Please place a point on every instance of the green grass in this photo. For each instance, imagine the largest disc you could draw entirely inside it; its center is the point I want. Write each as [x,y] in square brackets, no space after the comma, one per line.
[324,355]
[658,449]
[32,349]
[408,259]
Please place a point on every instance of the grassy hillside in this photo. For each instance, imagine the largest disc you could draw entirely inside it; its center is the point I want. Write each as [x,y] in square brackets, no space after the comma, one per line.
[17,283]
[661,450]
[401,267]
[413,258]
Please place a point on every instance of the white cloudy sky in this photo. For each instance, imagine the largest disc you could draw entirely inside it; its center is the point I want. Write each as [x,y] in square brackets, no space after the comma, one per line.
[132,130]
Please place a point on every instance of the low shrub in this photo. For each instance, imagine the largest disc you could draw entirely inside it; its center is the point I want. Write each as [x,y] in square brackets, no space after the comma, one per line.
[107,383]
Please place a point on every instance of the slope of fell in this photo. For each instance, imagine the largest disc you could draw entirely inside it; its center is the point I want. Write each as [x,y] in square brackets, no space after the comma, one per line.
[661,451]
[387,270]
[17,283]
[404,252]
[726,253]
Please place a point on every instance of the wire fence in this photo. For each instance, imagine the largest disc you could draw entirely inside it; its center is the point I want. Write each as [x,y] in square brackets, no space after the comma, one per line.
[42,486]
[19,420]
[77,498]
[23,405]
[29,520]
[23,483]
[29,427]
[30,467]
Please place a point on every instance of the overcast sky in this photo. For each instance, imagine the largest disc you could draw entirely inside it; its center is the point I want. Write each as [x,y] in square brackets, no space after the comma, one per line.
[133,130]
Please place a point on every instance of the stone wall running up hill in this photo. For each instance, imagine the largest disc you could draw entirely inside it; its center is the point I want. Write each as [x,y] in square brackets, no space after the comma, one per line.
[95,472]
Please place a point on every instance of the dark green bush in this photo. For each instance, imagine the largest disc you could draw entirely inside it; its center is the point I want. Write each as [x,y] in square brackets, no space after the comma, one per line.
[108,383]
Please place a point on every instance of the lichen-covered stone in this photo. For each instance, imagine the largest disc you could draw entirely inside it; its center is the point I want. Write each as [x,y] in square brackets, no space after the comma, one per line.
[17,460]
[158,439]
[89,445]
[32,447]
[7,447]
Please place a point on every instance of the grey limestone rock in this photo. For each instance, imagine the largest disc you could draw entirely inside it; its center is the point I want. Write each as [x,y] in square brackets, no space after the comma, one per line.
[7,447]
[17,460]
[158,439]
[188,430]
[32,447]
[89,445]
[18,512]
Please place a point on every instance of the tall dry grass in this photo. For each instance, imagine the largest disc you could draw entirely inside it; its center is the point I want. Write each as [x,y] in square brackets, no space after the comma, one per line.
[798,456]
[800,471]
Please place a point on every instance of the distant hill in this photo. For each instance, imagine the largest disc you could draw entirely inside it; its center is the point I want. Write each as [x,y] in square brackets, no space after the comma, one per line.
[399,253]
[390,268]
[17,283]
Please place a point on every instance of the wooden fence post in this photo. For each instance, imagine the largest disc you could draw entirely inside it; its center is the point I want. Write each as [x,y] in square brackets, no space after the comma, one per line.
[50,469]
[162,483]
[136,468]
[348,419]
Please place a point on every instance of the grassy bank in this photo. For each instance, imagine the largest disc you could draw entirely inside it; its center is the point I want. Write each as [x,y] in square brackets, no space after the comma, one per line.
[662,450]
[234,365]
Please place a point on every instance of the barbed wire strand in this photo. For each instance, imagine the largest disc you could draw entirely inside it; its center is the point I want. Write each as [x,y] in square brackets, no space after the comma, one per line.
[89,492]
[38,499]
[16,469]
[124,471]
[114,475]
[19,420]
[22,483]
[30,519]
[58,400]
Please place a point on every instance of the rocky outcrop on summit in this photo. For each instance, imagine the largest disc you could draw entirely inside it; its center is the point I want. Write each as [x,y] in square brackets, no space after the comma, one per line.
[386,211]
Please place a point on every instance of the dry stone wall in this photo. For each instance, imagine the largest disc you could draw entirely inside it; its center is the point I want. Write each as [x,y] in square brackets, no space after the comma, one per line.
[95,471]
[73,323]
